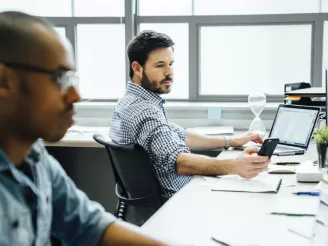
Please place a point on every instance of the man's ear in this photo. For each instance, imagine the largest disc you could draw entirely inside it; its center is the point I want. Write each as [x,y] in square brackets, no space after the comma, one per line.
[4,81]
[137,69]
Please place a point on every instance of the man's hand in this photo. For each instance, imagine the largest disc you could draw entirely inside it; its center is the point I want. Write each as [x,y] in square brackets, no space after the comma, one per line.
[245,138]
[248,165]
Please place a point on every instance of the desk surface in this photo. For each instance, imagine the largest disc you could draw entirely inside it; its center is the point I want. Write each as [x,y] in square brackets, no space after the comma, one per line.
[195,213]
[81,136]
[78,136]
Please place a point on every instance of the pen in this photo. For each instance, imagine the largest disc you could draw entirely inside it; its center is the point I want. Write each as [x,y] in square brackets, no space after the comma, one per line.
[291,214]
[287,163]
[310,193]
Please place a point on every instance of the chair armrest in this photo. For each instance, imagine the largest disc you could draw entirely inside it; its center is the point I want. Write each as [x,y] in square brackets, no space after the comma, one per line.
[136,202]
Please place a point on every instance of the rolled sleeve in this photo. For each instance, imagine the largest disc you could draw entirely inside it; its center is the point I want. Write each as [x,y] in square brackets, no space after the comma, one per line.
[76,219]
[179,130]
[160,139]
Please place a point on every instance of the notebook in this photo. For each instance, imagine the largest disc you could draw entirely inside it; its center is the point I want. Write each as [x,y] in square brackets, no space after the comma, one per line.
[295,205]
[259,184]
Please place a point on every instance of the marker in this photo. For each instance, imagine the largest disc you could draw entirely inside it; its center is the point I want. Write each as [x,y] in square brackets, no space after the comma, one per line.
[310,193]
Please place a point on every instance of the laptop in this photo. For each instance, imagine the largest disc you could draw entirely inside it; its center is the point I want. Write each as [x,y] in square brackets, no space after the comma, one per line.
[293,125]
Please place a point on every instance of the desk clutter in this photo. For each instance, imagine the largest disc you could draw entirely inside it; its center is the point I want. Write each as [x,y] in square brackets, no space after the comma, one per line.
[309,208]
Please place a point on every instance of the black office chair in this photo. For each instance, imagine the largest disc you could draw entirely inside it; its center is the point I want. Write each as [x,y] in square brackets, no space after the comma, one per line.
[137,188]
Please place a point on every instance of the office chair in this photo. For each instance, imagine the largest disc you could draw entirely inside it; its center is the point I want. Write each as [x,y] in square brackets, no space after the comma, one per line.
[137,188]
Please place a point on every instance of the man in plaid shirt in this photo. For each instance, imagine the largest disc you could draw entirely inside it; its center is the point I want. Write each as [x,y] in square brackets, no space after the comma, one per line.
[139,118]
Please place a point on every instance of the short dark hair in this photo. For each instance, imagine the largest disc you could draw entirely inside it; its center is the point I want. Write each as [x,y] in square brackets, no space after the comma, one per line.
[18,38]
[143,44]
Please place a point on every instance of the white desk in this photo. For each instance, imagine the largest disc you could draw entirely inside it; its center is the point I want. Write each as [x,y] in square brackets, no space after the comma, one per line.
[81,137]
[195,213]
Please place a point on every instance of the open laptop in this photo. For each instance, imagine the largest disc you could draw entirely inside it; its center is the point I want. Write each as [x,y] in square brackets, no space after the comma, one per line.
[293,125]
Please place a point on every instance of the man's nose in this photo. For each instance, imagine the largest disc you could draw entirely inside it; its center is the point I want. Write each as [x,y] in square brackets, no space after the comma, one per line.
[169,71]
[72,95]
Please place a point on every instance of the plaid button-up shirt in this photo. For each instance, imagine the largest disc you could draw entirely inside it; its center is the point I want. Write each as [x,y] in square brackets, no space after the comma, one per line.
[139,118]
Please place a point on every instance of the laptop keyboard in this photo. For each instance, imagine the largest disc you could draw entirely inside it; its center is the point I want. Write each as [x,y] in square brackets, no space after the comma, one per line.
[281,148]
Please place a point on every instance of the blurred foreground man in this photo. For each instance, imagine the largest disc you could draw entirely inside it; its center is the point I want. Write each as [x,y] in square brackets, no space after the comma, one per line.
[37,92]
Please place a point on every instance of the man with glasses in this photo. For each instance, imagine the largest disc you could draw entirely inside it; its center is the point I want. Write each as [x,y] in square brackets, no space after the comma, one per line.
[37,93]
[140,118]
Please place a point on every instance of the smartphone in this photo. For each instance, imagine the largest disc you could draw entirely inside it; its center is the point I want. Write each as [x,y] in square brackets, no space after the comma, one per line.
[268,147]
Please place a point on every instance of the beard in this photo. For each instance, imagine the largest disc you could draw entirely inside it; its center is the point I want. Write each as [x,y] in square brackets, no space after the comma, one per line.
[155,86]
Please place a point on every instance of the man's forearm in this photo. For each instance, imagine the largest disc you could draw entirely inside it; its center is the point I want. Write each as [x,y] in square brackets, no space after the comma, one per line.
[191,164]
[196,141]
[121,234]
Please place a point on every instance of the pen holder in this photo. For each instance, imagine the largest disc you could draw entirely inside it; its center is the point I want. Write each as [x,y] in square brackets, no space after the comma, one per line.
[322,155]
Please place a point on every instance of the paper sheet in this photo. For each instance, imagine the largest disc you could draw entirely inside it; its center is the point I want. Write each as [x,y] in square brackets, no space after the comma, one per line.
[296,205]
[261,183]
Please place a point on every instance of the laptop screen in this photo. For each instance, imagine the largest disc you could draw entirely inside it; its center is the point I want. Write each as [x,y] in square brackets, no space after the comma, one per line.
[294,125]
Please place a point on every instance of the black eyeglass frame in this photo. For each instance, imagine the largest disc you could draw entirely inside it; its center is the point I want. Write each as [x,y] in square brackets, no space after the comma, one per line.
[63,77]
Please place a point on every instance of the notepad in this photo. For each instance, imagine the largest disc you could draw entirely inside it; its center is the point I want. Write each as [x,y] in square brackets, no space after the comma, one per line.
[259,184]
[295,205]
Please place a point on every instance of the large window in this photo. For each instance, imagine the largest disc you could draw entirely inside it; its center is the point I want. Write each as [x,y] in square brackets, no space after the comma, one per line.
[249,7]
[99,8]
[39,7]
[253,58]
[167,7]
[224,49]
[101,61]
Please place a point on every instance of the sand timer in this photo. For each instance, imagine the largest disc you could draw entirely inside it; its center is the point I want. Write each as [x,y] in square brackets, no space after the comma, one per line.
[257,102]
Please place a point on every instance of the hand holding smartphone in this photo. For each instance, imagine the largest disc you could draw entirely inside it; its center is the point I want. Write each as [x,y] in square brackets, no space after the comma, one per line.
[268,147]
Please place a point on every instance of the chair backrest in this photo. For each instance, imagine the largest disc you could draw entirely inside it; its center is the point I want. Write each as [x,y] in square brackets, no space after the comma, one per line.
[133,172]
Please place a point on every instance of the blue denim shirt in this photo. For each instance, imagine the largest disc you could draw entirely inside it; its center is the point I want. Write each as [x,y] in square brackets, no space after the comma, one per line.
[39,200]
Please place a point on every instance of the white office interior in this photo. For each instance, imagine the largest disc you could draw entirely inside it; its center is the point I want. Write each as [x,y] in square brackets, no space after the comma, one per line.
[225,50]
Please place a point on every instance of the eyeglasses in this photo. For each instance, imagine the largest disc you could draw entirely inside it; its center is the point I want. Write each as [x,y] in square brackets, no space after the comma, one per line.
[65,79]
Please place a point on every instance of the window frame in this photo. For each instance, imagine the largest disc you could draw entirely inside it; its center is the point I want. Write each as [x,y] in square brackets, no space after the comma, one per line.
[132,21]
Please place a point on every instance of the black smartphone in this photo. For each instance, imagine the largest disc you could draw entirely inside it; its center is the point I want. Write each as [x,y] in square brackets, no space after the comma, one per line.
[268,147]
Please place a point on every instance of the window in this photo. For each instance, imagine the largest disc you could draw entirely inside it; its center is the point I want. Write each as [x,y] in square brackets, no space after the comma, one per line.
[101,60]
[233,53]
[243,59]
[324,6]
[168,7]
[179,34]
[243,7]
[99,8]
[47,8]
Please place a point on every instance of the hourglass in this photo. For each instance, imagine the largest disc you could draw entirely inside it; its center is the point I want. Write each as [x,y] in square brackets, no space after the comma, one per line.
[257,102]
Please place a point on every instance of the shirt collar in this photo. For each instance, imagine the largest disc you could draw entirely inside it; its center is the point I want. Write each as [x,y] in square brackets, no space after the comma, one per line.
[33,157]
[144,93]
